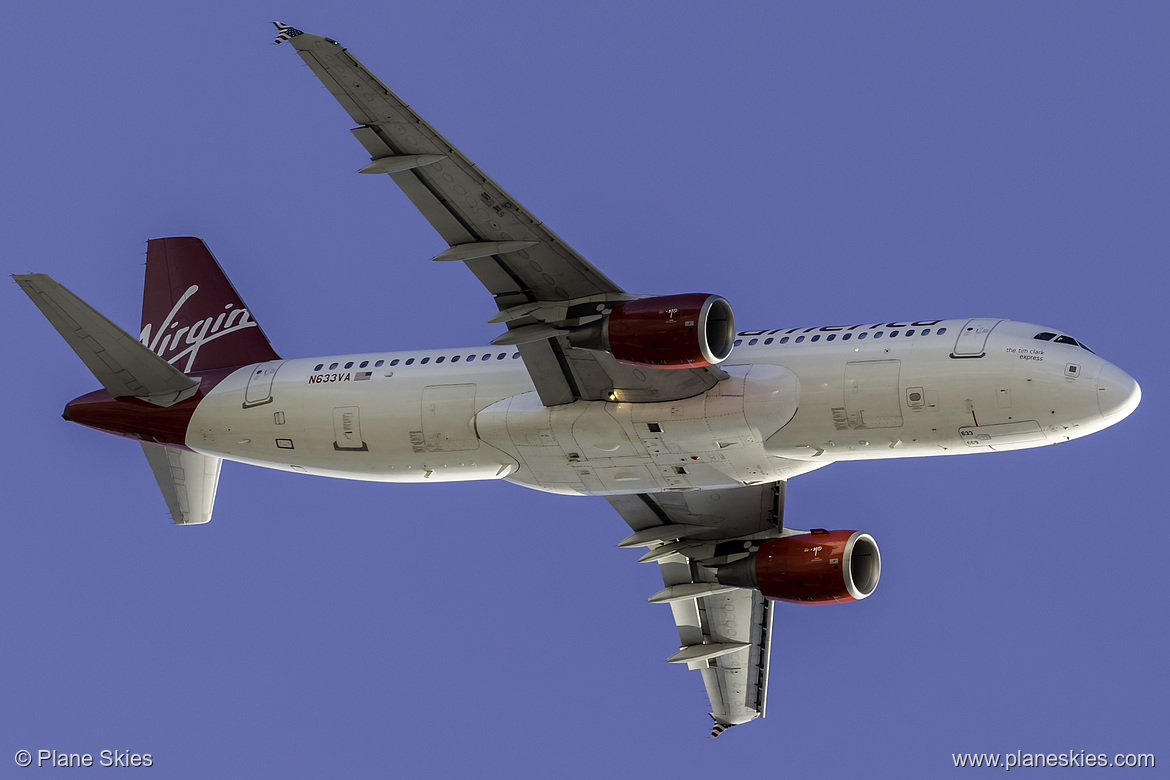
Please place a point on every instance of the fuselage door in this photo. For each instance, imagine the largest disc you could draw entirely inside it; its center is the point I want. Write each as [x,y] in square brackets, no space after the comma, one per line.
[973,338]
[448,417]
[872,397]
[259,389]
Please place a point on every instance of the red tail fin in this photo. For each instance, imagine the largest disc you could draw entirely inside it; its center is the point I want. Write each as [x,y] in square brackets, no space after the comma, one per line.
[192,317]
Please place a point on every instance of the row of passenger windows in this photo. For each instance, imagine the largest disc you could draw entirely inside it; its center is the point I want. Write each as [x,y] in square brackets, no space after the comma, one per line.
[738,342]
[844,336]
[421,361]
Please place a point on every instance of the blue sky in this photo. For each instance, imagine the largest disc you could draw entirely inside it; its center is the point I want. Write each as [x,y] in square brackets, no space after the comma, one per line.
[814,163]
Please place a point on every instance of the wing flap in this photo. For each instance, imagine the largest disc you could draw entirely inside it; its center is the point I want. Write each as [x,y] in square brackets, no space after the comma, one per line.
[724,633]
[736,679]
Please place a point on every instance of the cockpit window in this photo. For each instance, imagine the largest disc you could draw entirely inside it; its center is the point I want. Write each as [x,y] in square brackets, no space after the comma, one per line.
[1055,339]
[1069,340]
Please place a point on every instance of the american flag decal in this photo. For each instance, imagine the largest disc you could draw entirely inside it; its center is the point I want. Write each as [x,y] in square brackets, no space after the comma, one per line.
[360,375]
[286,32]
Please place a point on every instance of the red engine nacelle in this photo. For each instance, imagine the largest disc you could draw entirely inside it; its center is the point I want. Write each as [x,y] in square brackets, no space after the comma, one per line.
[670,331]
[819,567]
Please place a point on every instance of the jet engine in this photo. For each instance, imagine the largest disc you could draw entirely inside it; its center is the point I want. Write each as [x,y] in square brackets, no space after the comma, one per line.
[669,331]
[818,567]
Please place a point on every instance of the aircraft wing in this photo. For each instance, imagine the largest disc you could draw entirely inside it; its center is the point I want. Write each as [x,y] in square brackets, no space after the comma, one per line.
[541,285]
[725,633]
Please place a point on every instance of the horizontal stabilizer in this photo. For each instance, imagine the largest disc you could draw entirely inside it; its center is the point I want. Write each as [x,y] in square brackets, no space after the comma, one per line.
[188,481]
[119,361]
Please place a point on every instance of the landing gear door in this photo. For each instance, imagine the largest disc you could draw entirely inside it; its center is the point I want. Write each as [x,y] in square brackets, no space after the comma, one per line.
[973,338]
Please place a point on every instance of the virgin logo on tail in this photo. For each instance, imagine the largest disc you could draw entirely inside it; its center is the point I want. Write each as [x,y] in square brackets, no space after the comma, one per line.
[171,342]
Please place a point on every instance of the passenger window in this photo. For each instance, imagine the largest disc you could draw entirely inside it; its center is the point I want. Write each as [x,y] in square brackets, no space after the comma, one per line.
[784,340]
[501,356]
[861,335]
[440,359]
[893,334]
[515,355]
[393,362]
[752,343]
[831,337]
[485,357]
[909,333]
[738,342]
[847,336]
[332,366]
[941,331]
[409,361]
[454,358]
[877,335]
[470,358]
[319,366]
[925,332]
[380,363]
[767,342]
[424,361]
[799,339]
[815,338]
[349,364]
[364,363]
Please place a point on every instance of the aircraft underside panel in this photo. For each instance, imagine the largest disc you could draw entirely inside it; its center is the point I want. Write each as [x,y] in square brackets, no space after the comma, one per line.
[708,441]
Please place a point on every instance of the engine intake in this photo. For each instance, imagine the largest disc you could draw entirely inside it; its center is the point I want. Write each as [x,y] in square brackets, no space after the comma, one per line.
[669,331]
[818,567]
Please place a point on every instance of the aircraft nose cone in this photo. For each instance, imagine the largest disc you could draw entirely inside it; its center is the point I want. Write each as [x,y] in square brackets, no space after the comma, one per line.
[1117,393]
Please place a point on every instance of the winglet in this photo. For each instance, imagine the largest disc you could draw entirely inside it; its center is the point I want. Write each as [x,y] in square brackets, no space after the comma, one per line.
[285,33]
[719,726]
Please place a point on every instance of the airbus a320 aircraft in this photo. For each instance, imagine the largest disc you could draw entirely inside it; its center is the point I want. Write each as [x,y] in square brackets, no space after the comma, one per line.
[688,428]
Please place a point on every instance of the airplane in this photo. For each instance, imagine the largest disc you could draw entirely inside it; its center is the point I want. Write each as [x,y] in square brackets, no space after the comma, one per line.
[688,427]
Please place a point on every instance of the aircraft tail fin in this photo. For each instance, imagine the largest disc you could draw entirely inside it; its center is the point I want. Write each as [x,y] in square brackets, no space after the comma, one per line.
[192,316]
[188,481]
[123,365]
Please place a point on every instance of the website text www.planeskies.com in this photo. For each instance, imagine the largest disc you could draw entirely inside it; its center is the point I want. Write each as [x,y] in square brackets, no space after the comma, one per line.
[1022,760]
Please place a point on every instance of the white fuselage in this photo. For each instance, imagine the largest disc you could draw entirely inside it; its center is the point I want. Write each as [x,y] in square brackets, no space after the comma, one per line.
[787,408]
